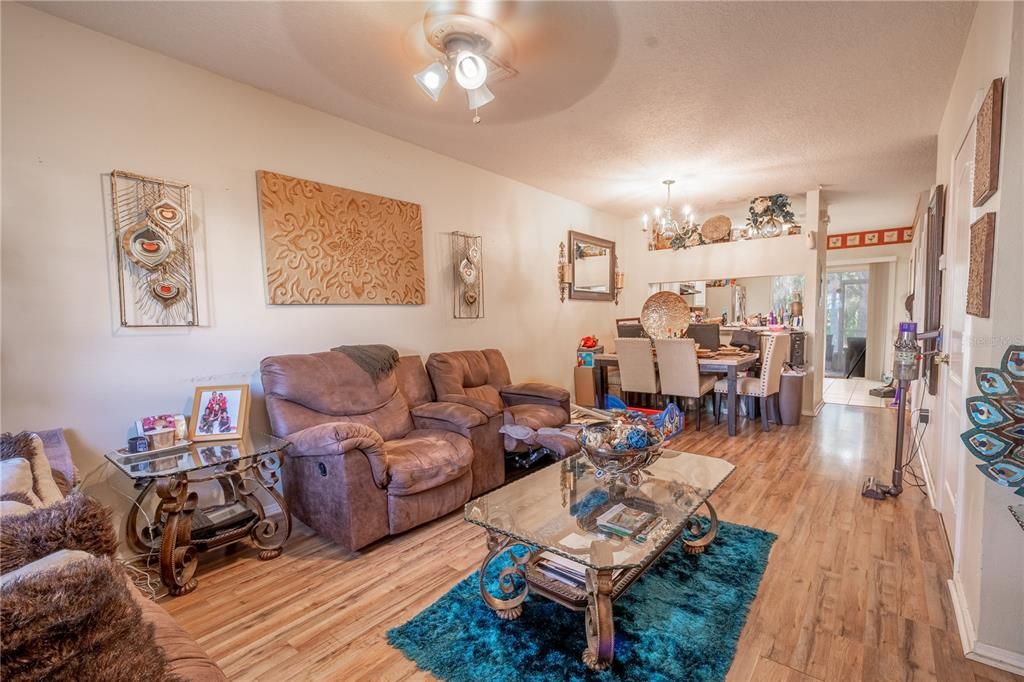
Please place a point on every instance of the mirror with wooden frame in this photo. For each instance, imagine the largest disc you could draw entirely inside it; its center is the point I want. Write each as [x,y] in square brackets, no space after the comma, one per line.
[593,267]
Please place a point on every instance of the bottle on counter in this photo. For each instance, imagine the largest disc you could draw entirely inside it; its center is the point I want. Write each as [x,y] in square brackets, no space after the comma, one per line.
[725,317]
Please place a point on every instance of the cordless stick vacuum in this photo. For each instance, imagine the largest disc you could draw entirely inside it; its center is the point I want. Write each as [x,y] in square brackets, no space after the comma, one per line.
[905,368]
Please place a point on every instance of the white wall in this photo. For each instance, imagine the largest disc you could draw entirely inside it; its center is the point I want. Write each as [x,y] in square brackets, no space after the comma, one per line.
[759,293]
[988,584]
[77,104]
[717,299]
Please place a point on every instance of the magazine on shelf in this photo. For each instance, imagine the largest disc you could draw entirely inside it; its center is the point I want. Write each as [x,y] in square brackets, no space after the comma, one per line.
[565,570]
[554,573]
[623,520]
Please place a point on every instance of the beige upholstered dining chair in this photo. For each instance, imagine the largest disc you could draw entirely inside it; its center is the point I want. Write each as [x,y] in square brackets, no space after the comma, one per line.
[765,387]
[680,374]
[637,373]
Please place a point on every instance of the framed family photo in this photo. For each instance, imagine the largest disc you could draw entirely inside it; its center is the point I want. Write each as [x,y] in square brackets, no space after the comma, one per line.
[219,412]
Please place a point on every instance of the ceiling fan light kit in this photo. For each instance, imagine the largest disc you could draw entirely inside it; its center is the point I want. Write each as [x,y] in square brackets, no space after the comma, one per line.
[471,49]
[432,79]
[470,70]
[479,97]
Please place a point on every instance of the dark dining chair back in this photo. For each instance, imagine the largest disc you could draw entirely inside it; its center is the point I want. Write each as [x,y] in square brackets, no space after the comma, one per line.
[706,335]
[630,328]
[746,337]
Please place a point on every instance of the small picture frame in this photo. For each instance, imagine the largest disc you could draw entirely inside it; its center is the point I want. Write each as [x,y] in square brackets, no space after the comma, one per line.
[145,426]
[219,412]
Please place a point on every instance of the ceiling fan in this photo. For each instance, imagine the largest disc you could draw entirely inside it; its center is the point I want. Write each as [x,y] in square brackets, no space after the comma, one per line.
[471,48]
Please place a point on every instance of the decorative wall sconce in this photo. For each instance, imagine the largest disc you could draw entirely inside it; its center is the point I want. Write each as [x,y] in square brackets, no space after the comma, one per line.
[564,272]
[620,280]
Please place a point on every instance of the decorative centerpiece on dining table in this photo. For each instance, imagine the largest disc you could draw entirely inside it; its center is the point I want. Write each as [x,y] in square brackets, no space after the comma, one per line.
[622,446]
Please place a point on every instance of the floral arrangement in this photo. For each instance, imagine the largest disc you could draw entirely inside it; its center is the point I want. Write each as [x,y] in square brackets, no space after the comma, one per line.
[769,215]
[690,236]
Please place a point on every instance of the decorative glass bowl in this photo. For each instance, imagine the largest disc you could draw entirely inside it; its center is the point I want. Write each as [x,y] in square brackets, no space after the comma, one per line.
[620,447]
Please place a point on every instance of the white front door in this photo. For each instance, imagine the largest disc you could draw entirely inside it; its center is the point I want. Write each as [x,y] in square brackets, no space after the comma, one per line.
[951,375]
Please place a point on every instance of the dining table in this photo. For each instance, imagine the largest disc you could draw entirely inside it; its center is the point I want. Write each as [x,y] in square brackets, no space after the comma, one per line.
[730,365]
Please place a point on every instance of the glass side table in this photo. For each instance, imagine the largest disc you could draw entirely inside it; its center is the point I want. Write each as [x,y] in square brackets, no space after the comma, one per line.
[243,472]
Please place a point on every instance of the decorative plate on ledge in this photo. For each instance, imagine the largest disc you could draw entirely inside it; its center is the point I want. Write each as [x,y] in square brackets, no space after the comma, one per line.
[665,314]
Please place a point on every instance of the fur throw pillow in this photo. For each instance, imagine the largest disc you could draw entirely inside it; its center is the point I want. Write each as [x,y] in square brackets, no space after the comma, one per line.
[77,622]
[77,522]
[16,496]
[29,447]
[17,445]
[62,482]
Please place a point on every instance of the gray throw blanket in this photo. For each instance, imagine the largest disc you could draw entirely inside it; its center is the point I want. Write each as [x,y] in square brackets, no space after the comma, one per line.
[377,360]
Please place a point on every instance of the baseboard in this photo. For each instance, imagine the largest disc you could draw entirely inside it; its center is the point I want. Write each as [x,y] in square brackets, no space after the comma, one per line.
[968,634]
[1003,659]
[814,410]
[928,484]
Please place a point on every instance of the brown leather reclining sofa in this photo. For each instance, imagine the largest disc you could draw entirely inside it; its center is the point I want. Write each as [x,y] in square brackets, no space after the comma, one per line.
[480,379]
[369,459]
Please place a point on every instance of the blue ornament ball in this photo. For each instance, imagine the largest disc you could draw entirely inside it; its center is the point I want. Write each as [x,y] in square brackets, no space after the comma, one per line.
[637,438]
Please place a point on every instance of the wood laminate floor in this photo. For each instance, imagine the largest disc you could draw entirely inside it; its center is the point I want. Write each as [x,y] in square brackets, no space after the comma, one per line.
[854,590]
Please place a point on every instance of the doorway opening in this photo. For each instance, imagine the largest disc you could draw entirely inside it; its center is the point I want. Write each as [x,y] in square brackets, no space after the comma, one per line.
[846,323]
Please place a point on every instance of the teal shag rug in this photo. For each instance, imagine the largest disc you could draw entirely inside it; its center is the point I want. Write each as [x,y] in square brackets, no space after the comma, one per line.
[680,621]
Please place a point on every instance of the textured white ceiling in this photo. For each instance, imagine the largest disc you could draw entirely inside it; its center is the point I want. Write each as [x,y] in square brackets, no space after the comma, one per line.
[730,99]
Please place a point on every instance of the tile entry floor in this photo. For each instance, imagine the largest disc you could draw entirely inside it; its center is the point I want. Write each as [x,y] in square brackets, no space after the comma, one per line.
[839,391]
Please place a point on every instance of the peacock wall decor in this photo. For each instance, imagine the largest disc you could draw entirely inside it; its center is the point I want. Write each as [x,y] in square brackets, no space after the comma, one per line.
[997,416]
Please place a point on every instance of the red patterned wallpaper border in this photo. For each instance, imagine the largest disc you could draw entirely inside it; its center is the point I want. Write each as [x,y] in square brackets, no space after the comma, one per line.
[854,240]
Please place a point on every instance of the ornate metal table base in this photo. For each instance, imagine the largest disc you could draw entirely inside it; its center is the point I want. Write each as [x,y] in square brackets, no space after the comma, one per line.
[701,538]
[266,529]
[178,558]
[511,579]
[599,625]
[170,530]
[601,586]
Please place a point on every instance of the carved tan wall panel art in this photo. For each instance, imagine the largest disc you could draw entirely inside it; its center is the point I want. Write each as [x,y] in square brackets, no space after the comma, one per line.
[987,139]
[979,276]
[326,244]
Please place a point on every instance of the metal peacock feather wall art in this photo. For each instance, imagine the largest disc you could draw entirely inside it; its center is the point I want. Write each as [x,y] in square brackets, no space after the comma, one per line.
[997,417]
[155,253]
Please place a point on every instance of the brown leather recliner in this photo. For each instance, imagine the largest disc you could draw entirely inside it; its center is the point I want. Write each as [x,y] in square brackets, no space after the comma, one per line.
[480,379]
[363,465]
[488,456]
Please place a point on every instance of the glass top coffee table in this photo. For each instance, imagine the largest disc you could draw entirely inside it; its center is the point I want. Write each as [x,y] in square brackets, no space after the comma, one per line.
[552,526]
